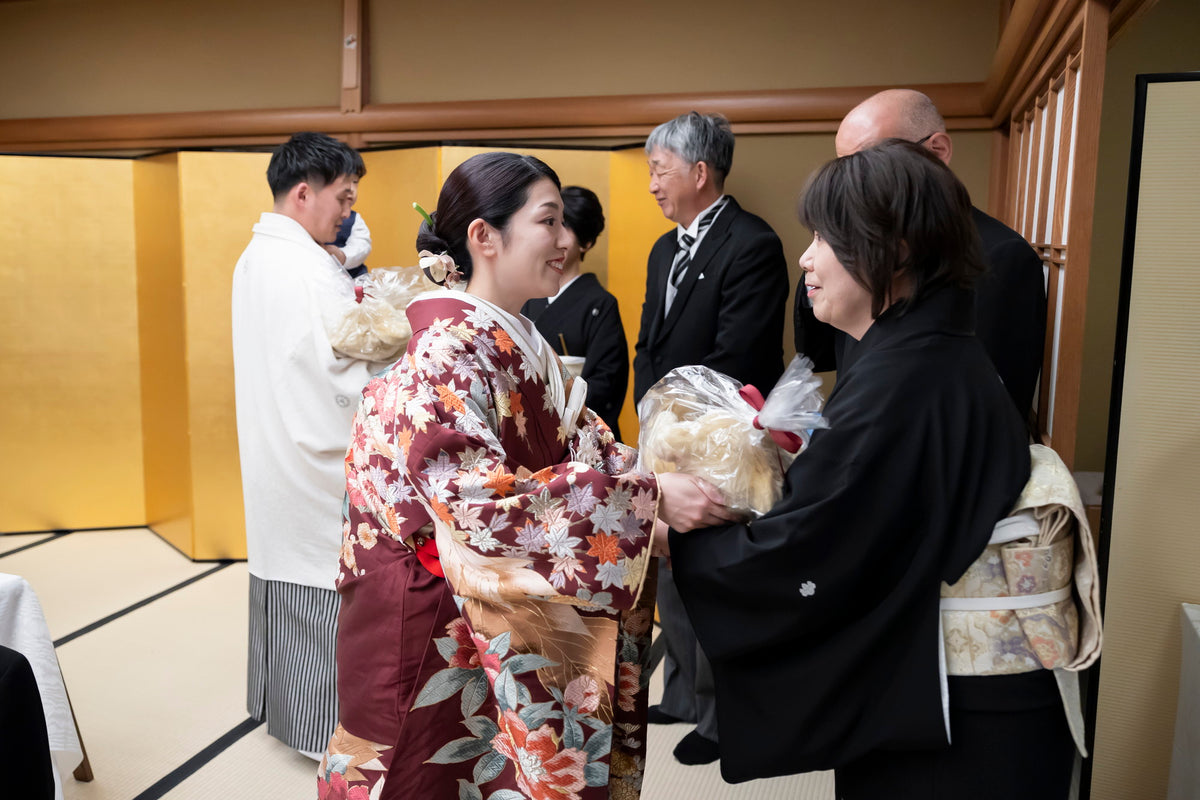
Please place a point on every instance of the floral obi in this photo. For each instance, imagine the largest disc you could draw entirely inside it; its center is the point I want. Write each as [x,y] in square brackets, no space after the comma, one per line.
[1014,609]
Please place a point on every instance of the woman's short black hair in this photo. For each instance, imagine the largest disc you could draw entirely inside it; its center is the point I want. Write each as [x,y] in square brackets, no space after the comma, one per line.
[894,208]
[583,214]
[312,158]
[488,186]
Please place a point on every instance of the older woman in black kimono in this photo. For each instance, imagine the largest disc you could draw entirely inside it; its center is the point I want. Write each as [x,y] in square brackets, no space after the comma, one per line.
[821,618]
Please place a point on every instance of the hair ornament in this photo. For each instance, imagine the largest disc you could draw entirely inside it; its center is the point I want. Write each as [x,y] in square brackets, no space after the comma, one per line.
[439,268]
[425,214]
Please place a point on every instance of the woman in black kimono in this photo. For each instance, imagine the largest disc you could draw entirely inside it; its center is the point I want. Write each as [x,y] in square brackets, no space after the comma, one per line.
[821,618]
[583,319]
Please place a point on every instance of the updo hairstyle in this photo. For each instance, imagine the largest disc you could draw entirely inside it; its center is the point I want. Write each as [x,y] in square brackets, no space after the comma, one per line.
[583,214]
[488,186]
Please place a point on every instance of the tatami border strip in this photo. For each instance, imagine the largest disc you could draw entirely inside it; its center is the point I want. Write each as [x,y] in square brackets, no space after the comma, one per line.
[98,623]
[193,764]
[56,535]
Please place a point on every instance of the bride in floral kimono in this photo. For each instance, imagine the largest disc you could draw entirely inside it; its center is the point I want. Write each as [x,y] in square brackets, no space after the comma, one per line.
[495,579]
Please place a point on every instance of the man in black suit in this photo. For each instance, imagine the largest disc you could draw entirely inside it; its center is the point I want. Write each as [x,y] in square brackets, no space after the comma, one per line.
[1010,298]
[716,289]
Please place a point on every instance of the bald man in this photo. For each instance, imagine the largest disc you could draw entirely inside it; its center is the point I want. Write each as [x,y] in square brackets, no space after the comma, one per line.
[1010,298]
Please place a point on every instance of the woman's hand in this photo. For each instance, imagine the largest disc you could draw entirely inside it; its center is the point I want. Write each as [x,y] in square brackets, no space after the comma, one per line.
[660,544]
[686,502]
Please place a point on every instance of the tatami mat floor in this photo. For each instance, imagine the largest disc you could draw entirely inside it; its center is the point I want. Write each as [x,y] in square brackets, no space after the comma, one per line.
[153,653]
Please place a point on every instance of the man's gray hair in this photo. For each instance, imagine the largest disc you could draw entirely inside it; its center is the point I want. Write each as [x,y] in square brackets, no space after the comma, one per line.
[697,137]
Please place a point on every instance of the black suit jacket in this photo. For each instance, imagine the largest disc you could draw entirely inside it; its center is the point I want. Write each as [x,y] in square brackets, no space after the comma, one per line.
[1010,313]
[588,320]
[728,313]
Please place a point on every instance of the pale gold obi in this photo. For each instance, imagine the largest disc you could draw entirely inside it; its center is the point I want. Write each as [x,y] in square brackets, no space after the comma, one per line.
[1013,610]
[1031,600]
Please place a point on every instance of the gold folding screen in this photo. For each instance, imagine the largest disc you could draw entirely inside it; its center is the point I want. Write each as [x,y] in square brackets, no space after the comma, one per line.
[118,380]
[70,407]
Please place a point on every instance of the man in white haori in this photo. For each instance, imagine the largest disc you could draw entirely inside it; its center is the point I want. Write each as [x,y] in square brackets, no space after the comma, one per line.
[296,399]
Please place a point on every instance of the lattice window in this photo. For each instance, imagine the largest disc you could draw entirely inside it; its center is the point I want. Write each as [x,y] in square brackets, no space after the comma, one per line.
[1053,134]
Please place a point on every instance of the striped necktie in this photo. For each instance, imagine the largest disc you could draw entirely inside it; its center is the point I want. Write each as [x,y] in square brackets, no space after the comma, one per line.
[683,256]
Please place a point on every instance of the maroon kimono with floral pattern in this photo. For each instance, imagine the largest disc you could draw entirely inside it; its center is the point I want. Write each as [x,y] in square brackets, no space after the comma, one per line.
[518,674]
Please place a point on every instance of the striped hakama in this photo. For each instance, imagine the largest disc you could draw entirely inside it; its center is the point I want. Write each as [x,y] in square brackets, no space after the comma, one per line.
[292,675]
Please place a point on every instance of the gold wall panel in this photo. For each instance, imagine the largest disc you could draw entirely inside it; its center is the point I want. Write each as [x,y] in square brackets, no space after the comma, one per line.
[70,410]
[635,222]
[221,196]
[395,180]
[165,430]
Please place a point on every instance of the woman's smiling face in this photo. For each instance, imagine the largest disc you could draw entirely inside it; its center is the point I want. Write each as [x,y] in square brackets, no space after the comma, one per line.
[835,296]
[532,248]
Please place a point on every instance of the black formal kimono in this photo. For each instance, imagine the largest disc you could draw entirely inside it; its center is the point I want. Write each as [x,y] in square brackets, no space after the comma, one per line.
[1010,313]
[821,618]
[587,317]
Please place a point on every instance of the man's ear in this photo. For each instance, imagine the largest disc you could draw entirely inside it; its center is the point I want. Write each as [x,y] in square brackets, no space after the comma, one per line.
[941,146]
[484,237]
[703,175]
[301,193]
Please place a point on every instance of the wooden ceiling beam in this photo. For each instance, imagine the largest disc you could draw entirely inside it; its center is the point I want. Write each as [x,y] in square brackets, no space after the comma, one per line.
[818,109]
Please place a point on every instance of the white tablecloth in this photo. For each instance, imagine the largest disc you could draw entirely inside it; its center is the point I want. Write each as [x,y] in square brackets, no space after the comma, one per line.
[23,628]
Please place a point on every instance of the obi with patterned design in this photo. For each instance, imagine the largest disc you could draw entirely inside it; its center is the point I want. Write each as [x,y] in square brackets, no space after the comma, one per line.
[1032,599]
[1001,639]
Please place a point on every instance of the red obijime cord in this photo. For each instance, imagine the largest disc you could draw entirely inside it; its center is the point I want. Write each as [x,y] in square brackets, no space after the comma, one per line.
[427,554]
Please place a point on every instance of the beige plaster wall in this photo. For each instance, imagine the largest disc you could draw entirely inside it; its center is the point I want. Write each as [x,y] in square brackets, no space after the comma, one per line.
[83,57]
[62,58]
[537,49]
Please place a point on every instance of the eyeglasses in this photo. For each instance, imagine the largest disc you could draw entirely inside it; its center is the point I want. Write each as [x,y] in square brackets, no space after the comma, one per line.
[924,138]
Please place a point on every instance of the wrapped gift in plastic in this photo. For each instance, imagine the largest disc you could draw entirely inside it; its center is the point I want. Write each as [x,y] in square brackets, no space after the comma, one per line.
[704,423]
[375,326]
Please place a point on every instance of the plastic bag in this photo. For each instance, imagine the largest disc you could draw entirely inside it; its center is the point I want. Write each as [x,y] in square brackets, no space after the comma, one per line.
[704,423]
[375,326]
[397,285]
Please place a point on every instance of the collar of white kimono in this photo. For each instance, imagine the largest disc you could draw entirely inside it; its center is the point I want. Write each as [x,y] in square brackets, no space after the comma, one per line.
[281,226]
[523,333]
